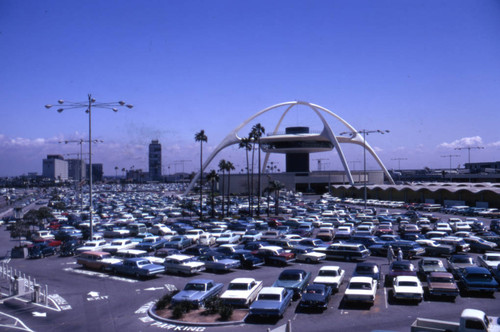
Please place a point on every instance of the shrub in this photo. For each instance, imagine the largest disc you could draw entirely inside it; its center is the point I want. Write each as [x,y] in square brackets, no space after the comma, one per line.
[165,300]
[212,305]
[181,308]
[225,311]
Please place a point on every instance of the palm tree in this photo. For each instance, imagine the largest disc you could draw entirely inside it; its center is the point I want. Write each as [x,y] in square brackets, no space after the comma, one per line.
[201,137]
[116,173]
[257,131]
[213,177]
[229,168]
[222,167]
[276,186]
[245,143]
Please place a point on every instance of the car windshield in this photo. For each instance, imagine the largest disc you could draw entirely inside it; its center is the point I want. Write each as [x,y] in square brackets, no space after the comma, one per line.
[493,258]
[429,262]
[408,283]
[359,285]
[314,291]
[237,286]
[194,287]
[402,267]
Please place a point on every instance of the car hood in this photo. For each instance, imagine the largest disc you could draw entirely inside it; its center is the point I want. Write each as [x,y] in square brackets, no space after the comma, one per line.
[188,295]
[288,283]
[265,305]
[407,289]
[326,280]
[443,285]
[236,294]
[312,297]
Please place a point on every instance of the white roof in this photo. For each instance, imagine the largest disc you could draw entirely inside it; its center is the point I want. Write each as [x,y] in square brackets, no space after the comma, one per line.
[361,279]
[179,257]
[271,290]
[329,268]
[242,280]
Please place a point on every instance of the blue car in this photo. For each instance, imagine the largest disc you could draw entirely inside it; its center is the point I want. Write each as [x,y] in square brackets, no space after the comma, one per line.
[178,242]
[197,292]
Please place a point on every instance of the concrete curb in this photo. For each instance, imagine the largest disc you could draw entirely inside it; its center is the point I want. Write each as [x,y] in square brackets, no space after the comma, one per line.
[152,314]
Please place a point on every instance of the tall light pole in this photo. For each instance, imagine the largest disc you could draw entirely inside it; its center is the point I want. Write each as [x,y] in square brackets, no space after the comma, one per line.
[79,105]
[364,132]
[450,156]
[470,148]
[81,141]
[399,162]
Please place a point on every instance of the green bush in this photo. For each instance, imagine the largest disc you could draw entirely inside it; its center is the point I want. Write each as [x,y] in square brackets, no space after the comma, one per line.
[225,311]
[212,305]
[165,300]
[181,308]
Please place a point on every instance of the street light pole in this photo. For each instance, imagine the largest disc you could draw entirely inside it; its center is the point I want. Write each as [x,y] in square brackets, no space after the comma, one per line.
[364,132]
[399,162]
[78,105]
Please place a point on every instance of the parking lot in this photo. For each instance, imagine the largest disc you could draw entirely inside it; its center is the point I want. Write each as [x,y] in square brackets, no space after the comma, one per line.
[102,301]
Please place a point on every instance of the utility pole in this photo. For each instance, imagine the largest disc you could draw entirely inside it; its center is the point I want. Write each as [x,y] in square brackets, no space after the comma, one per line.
[399,162]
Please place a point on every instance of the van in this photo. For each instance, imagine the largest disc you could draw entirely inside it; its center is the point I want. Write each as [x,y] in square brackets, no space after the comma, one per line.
[347,251]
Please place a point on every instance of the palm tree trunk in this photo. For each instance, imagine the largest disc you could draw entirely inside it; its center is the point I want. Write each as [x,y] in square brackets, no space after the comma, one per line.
[223,193]
[248,184]
[258,186]
[228,191]
[201,180]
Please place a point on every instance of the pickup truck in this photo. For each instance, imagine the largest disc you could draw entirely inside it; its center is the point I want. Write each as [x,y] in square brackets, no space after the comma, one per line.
[271,302]
[471,320]
[138,267]
[477,279]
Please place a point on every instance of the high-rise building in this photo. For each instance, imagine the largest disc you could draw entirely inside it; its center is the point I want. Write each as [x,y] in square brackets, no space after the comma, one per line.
[55,167]
[155,161]
[97,172]
[76,169]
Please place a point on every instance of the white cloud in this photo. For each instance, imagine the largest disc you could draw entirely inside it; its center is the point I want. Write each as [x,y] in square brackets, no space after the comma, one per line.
[462,142]
[494,144]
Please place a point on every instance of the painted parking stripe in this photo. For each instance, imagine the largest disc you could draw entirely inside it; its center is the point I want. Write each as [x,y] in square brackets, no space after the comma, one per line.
[99,275]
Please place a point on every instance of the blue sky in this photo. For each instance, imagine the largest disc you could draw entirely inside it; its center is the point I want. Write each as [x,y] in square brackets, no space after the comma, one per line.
[428,71]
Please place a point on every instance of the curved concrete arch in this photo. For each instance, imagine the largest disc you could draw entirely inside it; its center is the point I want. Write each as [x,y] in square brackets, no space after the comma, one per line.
[233,138]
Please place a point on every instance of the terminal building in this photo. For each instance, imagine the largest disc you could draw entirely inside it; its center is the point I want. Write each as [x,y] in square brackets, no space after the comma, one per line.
[297,143]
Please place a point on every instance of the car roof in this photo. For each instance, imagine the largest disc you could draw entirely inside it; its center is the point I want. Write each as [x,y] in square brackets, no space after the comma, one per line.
[243,280]
[200,281]
[329,268]
[361,279]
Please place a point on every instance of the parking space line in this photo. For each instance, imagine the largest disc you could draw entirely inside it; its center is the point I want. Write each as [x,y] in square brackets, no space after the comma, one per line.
[385,297]
[98,274]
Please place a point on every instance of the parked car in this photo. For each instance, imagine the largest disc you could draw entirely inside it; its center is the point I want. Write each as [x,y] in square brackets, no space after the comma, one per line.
[368,269]
[442,284]
[138,267]
[408,288]
[241,292]
[430,264]
[271,302]
[293,279]
[400,268]
[489,260]
[307,254]
[361,289]
[217,262]
[477,279]
[459,261]
[346,251]
[92,246]
[197,292]
[119,244]
[152,243]
[275,255]
[41,250]
[478,244]
[315,296]
[228,237]
[178,242]
[183,264]
[432,248]
[330,276]
[68,248]
[247,259]
[97,260]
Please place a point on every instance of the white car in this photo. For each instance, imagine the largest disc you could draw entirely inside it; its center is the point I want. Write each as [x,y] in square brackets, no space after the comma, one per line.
[331,276]
[194,234]
[228,238]
[119,244]
[92,246]
[308,255]
[489,260]
[206,239]
[242,292]
[408,288]
[183,264]
[361,289]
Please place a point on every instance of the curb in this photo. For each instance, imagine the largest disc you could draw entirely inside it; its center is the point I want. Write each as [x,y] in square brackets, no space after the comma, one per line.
[152,314]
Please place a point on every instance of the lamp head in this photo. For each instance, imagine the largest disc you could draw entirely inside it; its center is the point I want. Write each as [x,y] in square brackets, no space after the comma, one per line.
[129,105]
[60,101]
[60,110]
[115,109]
[121,102]
[48,106]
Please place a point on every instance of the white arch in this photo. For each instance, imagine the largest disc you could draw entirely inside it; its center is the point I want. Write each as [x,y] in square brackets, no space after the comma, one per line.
[233,138]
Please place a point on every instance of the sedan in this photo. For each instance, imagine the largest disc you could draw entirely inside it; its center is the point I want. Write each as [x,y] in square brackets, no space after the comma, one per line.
[408,288]
[241,291]
[178,242]
[315,296]
[361,289]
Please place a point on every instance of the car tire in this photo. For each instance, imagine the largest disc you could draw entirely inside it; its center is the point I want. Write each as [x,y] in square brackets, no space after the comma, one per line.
[308,260]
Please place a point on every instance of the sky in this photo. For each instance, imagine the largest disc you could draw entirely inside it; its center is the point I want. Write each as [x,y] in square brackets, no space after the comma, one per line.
[426,70]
